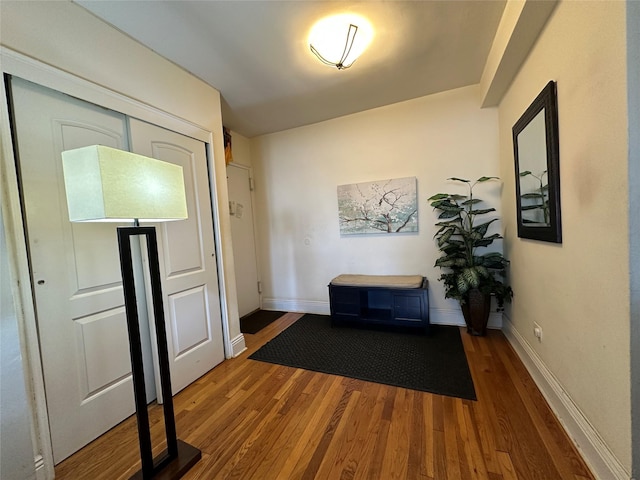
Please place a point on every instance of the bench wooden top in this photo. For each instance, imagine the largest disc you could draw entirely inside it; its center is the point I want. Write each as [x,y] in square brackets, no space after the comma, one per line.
[383,281]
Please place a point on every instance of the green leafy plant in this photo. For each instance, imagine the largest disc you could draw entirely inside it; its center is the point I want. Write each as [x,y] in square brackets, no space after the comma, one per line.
[461,234]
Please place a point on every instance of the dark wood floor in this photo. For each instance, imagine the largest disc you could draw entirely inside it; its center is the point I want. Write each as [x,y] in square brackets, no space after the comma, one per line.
[255,420]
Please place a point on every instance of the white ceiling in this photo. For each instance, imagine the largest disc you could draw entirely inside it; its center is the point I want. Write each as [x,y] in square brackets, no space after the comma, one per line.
[256,54]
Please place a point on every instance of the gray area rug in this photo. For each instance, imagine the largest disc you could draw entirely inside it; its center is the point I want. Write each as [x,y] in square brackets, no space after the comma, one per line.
[433,363]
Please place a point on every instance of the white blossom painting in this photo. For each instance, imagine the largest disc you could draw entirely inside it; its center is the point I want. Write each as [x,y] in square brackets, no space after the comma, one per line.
[385,206]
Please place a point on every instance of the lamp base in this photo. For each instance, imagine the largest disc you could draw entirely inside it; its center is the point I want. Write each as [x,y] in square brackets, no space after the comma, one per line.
[174,468]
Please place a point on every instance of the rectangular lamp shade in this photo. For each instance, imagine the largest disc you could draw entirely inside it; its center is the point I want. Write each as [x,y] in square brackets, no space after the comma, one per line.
[107,184]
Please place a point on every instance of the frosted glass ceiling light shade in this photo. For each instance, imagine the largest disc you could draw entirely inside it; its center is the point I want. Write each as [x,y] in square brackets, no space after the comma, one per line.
[339,40]
[107,184]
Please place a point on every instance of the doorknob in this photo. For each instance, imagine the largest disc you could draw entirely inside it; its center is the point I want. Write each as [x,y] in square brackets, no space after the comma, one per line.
[40,282]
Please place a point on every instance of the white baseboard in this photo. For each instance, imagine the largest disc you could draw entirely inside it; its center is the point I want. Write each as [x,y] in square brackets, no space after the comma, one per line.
[437,316]
[238,345]
[293,305]
[441,316]
[596,453]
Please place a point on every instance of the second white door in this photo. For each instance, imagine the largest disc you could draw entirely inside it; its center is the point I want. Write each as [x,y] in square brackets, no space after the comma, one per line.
[243,238]
[187,259]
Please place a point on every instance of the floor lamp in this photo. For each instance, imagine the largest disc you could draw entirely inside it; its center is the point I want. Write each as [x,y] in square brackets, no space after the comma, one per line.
[108,185]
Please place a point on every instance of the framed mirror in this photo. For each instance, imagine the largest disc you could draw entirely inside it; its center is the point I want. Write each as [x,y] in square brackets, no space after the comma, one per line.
[536,154]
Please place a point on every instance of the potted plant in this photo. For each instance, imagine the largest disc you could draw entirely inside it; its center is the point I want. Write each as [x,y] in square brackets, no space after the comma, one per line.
[471,277]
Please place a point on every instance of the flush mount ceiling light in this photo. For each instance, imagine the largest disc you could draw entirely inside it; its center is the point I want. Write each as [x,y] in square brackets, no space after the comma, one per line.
[339,40]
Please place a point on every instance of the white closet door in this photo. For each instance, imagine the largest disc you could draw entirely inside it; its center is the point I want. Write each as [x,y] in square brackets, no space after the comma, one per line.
[187,259]
[243,236]
[75,270]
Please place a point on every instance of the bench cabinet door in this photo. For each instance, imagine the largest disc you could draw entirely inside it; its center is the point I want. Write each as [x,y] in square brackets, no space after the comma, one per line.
[408,307]
[345,301]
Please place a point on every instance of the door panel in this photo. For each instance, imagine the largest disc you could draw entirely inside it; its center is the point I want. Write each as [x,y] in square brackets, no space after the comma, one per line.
[89,274]
[187,253]
[99,336]
[193,330]
[75,270]
[243,237]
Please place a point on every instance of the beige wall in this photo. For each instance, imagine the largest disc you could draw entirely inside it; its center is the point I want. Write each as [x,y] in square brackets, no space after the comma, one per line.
[67,37]
[297,172]
[241,147]
[578,292]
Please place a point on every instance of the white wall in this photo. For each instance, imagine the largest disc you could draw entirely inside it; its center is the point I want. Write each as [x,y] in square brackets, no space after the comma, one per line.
[297,172]
[578,292]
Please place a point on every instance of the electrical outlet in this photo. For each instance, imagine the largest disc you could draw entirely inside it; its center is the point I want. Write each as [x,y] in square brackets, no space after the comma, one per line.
[537,331]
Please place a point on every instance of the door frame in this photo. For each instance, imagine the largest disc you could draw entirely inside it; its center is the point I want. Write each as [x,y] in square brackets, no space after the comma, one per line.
[254,222]
[16,64]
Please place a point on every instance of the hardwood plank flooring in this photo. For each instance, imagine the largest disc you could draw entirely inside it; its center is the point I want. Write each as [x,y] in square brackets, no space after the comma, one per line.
[255,420]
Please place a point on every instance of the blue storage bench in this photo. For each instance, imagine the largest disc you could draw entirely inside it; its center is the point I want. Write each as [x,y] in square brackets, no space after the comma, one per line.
[401,300]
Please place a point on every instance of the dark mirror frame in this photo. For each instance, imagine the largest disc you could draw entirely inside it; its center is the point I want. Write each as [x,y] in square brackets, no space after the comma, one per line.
[546,101]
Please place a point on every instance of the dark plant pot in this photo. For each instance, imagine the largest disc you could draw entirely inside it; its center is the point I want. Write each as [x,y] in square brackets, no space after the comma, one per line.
[476,311]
